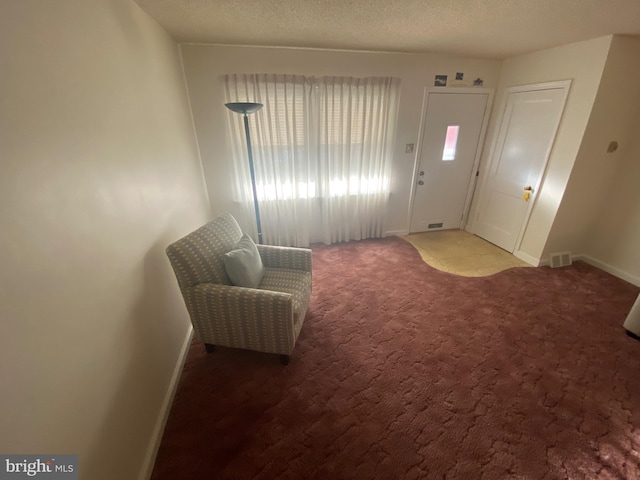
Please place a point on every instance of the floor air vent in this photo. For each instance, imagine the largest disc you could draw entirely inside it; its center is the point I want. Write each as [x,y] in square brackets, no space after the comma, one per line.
[561,259]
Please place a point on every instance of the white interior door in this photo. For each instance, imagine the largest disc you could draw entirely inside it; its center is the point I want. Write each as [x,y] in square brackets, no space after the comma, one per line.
[452,128]
[526,134]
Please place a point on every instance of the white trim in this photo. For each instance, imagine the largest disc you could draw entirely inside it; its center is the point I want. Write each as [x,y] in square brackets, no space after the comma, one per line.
[161,422]
[525,257]
[476,161]
[565,85]
[535,87]
[561,84]
[616,272]
[416,159]
[473,183]
[396,233]
[193,127]
[322,49]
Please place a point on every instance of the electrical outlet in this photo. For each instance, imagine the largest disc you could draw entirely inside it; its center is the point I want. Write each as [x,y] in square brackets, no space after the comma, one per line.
[409,148]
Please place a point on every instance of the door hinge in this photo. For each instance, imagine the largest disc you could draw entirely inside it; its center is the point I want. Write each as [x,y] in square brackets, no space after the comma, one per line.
[478,173]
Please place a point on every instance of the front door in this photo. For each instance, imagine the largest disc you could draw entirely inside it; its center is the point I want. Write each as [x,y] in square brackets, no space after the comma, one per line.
[451,136]
[523,143]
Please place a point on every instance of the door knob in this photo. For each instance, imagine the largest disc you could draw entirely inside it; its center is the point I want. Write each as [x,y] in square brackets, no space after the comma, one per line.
[420,182]
[421,172]
[528,188]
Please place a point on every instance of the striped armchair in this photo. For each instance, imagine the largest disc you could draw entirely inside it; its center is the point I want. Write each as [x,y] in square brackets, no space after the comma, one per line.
[267,318]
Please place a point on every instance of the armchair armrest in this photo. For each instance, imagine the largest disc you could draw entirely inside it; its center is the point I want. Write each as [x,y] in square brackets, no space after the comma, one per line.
[285,257]
[241,317]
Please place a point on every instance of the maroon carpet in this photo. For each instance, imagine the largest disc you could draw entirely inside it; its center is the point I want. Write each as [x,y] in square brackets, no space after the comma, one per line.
[404,372]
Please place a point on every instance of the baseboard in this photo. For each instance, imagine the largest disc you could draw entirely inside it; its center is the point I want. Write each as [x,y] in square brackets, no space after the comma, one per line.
[396,233]
[536,262]
[616,272]
[156,438]
[579,257]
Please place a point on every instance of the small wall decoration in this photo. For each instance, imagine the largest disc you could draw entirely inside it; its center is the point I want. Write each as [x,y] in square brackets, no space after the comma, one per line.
[478,82]
[441,81]
[459,75]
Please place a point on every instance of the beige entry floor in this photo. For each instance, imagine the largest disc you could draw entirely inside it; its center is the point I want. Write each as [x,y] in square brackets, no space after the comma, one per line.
[461,253]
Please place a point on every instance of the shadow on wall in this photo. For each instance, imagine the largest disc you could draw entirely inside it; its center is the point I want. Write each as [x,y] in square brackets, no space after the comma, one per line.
[129,27]
[150,340]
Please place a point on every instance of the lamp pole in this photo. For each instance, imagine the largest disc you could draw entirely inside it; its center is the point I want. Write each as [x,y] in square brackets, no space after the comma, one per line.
[245,109]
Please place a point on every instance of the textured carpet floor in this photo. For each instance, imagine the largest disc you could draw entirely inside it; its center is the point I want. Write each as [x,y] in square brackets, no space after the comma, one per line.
[404,372]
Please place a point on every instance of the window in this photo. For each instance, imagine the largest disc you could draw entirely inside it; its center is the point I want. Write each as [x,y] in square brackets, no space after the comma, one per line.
[450,143]
[280,144]
[322,154]
[284,109]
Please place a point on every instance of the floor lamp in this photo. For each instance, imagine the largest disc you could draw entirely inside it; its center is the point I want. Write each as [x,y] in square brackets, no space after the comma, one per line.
[247,108]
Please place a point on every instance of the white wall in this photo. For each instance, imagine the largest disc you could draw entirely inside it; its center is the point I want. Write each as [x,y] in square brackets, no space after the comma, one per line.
[616,108]
[100,172]
[583,63]
[612,237]
[205,66]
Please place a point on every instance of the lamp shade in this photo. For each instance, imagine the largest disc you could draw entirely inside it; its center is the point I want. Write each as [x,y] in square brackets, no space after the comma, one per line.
[245,108]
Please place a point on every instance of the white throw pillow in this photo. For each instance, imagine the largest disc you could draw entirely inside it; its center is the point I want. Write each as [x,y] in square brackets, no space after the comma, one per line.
[243,264]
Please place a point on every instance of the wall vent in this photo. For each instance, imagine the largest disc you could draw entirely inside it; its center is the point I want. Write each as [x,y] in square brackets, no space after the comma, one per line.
[560,259]
[435,225]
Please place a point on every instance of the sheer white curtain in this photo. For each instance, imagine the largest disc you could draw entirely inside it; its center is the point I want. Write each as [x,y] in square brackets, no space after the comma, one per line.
[322,151]
[357,127]
[285,172]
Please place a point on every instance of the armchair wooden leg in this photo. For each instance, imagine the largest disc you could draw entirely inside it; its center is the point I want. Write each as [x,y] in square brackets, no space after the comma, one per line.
[210,348]
[284,359]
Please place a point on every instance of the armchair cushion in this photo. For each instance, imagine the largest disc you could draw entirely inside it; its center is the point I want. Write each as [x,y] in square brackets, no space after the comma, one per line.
[285,257]
[295,282]
[243,264]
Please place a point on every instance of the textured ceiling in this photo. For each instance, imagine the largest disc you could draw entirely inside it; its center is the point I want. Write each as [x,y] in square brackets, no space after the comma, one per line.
[478,28]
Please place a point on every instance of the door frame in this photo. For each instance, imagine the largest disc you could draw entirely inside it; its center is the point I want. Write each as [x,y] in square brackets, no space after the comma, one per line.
[534,87]
[476,161]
